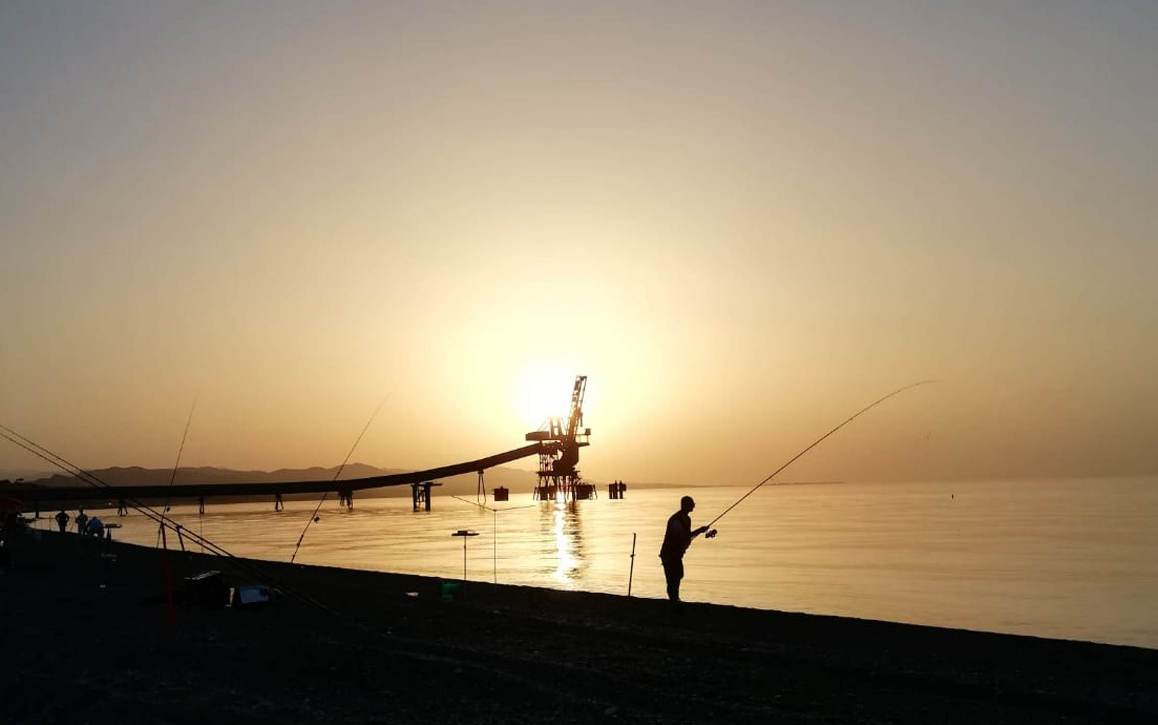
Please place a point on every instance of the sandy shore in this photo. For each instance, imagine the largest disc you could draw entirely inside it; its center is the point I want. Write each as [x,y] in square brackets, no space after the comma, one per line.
[90,639]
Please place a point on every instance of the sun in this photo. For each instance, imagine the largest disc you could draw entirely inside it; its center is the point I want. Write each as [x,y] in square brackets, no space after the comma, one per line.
[543,391]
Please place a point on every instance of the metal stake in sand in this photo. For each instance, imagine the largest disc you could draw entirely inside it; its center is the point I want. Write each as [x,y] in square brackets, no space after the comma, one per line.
[631,571]
[465,534]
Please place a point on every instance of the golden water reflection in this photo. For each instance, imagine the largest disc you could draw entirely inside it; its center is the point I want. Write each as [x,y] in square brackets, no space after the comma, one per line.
[566,528]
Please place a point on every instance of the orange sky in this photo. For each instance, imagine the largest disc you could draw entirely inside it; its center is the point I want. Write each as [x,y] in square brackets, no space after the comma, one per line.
[743,223]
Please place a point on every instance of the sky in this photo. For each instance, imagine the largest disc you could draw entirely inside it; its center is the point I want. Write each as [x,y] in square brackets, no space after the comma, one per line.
[743,221]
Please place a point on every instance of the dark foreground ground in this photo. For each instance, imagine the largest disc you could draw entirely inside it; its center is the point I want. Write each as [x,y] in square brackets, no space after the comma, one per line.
[88,640]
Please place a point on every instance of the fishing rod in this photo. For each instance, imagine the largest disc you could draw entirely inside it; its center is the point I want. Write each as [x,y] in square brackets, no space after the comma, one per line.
[314,516]
[344,617]
[162,540]
[408,647]
[90,478]
[818,441]
[237,563]
[173,475]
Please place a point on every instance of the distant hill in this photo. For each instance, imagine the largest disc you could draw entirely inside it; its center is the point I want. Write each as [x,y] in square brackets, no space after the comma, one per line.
[15,474]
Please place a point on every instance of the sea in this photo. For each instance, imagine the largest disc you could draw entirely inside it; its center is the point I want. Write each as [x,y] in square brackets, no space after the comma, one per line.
[1067,559]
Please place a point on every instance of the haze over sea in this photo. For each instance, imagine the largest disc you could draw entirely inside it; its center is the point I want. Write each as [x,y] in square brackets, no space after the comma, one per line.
[1072,559]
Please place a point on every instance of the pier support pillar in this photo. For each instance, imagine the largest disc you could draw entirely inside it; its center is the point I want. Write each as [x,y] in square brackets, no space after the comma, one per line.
[201,506]
[420,494]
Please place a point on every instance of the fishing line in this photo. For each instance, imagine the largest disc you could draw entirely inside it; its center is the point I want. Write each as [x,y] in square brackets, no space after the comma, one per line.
[162,540]
[395,643]
[176,465]
[495,534]
[488,508]
[237,563]
[342,467]
[817,442]
[240,565]
[90,478]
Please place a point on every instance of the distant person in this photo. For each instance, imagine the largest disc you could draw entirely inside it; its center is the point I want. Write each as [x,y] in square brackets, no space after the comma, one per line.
[676,541]
[81,522]
[62,521]
[95,527]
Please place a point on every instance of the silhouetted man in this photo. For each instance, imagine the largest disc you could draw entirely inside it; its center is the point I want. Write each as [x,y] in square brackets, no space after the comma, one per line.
[81,522]
[62,521]
[676,541]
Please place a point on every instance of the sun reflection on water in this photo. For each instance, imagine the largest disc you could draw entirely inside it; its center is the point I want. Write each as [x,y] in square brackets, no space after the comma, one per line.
[565,525]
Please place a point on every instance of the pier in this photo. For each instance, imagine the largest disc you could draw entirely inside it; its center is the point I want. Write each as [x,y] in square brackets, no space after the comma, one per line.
[39,498]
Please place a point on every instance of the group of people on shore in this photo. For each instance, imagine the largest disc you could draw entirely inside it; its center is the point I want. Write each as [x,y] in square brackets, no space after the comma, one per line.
[85,525]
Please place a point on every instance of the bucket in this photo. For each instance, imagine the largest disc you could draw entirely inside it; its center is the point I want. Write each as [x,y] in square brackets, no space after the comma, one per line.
[449,589]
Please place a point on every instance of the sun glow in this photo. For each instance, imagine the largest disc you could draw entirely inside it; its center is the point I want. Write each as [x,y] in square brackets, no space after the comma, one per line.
[543,391]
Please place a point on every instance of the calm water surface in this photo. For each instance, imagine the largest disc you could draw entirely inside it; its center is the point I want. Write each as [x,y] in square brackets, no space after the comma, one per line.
[1069,559]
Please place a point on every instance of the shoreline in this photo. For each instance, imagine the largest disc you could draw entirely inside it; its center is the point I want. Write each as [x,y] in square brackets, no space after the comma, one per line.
[509,653]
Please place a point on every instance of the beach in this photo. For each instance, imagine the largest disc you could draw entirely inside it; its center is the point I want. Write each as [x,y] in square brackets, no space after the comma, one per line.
[90,637]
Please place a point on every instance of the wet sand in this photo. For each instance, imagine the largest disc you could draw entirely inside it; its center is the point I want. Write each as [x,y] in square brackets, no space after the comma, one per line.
[90,639]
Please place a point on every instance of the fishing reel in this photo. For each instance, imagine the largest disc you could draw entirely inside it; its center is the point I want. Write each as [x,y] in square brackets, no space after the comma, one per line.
[711,534]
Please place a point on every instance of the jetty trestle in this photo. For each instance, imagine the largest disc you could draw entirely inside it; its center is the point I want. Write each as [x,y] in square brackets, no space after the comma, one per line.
[420,493]
[569,487]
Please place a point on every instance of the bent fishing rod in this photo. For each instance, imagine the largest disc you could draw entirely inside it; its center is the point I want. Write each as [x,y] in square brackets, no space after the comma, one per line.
[96,482]
[817,442]
[238,563]
[173,475]
[314,516]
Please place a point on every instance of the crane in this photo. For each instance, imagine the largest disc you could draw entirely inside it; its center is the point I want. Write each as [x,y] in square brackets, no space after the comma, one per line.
[560,451]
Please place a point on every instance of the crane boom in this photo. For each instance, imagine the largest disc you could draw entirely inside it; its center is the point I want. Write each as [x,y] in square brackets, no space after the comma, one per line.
[576,417]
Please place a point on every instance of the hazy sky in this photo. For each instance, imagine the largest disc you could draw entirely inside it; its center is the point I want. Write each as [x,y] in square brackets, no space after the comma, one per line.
[742,220]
